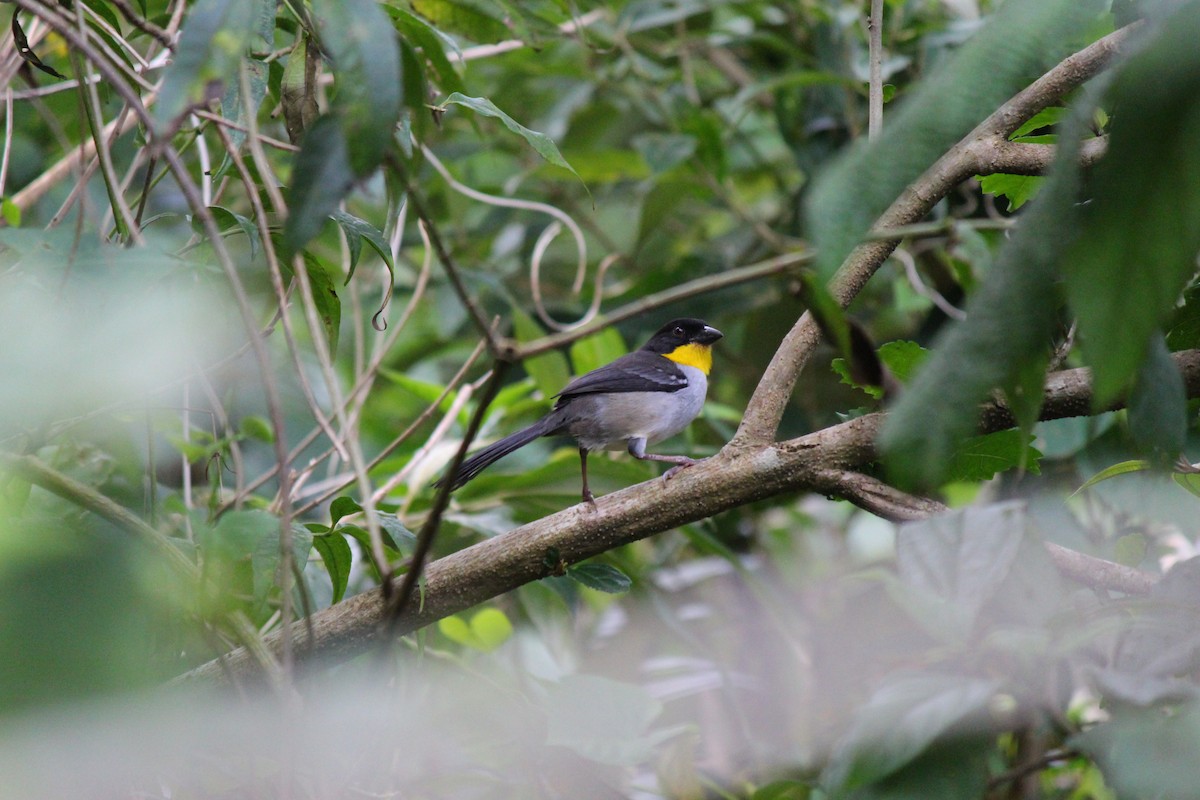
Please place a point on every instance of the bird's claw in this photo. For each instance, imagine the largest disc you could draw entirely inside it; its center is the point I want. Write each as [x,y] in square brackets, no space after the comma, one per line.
[675,469]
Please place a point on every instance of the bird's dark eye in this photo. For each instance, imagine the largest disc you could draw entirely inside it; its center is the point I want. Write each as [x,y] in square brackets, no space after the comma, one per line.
[677,332]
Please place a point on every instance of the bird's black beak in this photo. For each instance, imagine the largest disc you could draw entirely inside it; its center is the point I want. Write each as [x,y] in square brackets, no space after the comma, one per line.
[708,335]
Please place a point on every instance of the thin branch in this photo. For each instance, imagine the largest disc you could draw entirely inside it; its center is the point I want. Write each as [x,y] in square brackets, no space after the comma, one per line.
[142,24]
[460,288]
[875,81]
[399,604]
[776,265]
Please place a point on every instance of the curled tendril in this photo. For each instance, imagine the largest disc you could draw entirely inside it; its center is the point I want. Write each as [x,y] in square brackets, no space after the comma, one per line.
[562,220]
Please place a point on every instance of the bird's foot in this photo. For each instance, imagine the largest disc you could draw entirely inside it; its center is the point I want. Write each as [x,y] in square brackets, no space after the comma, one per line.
[589,500]
[684,464]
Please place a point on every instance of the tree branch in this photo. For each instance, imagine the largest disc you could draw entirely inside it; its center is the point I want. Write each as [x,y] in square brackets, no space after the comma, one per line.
[967,158]
[820,461]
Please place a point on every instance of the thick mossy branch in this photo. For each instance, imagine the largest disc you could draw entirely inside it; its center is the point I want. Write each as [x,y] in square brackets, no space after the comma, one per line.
[824,461]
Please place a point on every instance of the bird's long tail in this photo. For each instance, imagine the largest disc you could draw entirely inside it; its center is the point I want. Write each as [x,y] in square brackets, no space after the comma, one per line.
[489,455]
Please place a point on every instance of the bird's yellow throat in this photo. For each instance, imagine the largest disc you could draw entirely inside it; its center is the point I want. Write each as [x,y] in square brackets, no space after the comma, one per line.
[693,355]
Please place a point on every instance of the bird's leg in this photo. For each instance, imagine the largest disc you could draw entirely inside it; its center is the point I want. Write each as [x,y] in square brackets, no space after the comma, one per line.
[637,449]
[588,497]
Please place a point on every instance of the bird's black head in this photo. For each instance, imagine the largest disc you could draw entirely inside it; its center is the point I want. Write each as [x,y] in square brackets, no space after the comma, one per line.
[682,332]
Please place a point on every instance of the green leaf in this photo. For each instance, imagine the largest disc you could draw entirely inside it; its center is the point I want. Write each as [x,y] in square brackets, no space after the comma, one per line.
[1188,480]
[230,221]
[265,561]
[1121,468]
[980,458]
[321,177]
[601,577]
[1139,235]
[1157,411]
[488,629]
[395,531]
[904,717]
[1018,43]
[1019,189]
[358,229]
[540,142]
[233,106]
[255,427]
[433,44]
[597,350]
[11,212]
[1010,319]
[902,358]
[325,296]
[1147,752]
[480,22]
[342,507]
[336,554]
[359,39]
[211,45]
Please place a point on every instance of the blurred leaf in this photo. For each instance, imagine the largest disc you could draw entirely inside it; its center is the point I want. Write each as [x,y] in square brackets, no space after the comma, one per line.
[1183,330]
[1134,273]
[903,718]
[433,44]
[980,458]
[211,46]
[664,151]
[1020,41]
[233,105]
[1147,752]
[361,42]
[601,719]
[479,21]
[255,427]
[1010,320]
[335,553]
[595,351]
[1158,404]
[902,358]
[1130,549]
[488,629]
[321,177]
[11,212]
[1121,468]
[540,142]
[601,577]
[1188,480]
[266,558]
[228,221]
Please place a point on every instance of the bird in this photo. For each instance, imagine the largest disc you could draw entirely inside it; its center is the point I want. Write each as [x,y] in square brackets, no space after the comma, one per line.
[635,401]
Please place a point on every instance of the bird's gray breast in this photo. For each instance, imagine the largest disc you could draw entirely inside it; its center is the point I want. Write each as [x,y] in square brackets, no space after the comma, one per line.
[608,421]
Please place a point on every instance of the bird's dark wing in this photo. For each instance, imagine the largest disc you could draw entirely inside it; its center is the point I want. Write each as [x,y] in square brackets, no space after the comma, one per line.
[639,371]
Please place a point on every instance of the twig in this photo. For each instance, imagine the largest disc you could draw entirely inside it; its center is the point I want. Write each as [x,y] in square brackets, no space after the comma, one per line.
[710,283]
[399,603]
[875,82]
[144,25]
[464,296]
